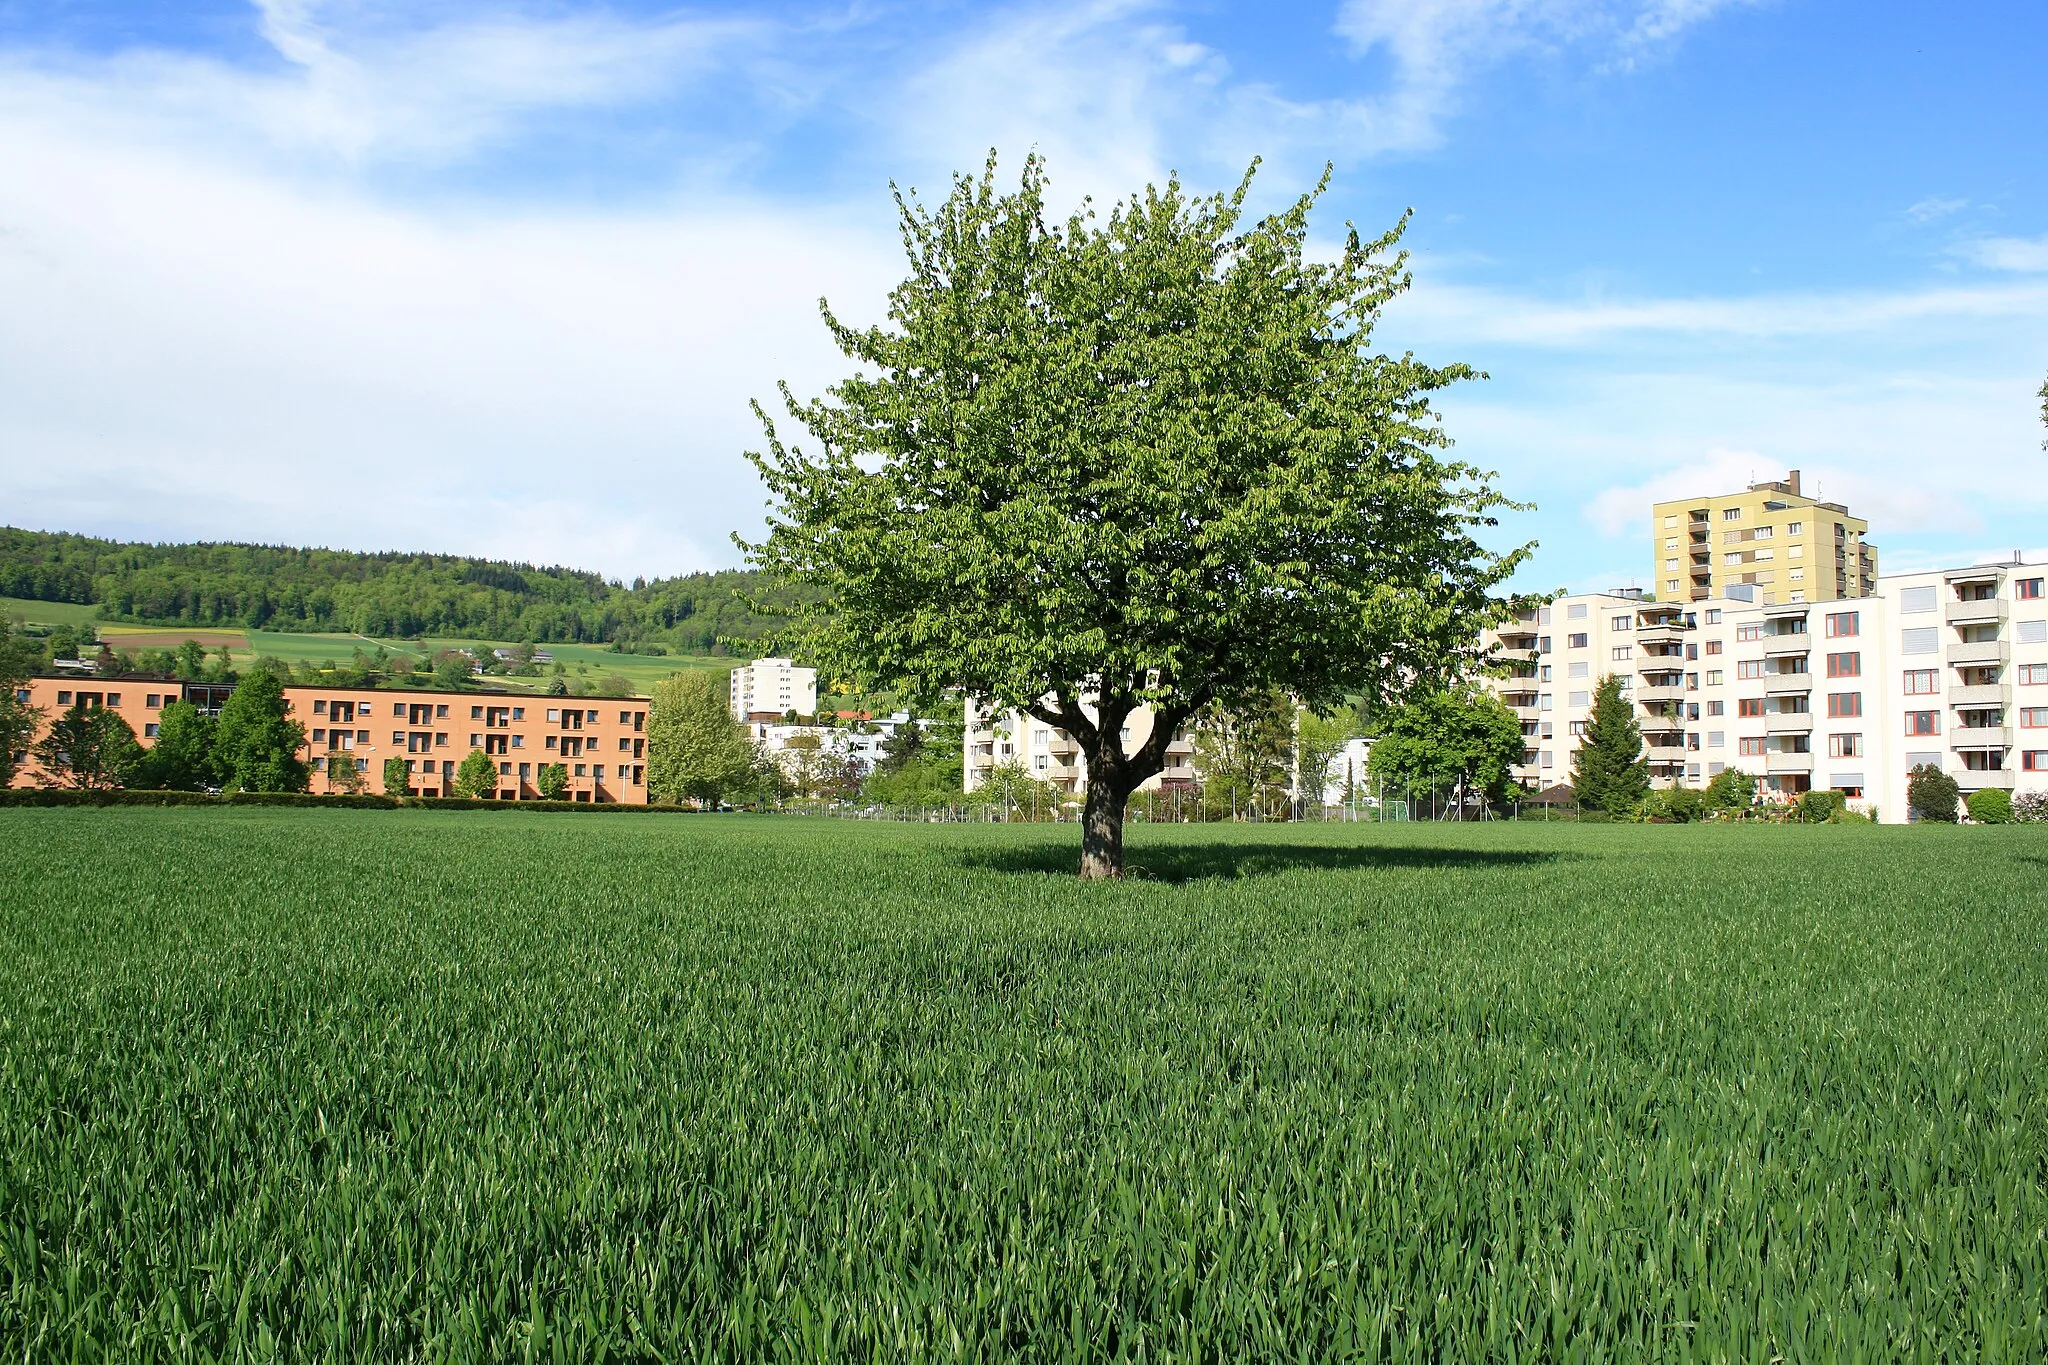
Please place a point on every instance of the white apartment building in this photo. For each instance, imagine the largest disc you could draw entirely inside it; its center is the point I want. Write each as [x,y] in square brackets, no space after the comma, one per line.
[769,688]
[1051,755]
[862,741]
[1965,677]
[1848,695]
[1562,651]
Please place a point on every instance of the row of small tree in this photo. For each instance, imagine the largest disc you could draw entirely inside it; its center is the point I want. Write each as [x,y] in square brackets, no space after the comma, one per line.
[252,745]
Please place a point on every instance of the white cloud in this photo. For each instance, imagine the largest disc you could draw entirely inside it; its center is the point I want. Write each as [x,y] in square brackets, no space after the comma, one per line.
[2028,254]
[1441,306]
[1933,207]
[191,349]
[357,91]
[1437,47]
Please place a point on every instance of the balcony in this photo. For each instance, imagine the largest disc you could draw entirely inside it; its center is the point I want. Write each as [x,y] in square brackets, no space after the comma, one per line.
[1649,695]
[1980,694]
[983,761]
[1787,684]
[1987,612]
[1785,611]
[1788,722]
[1661,633]
[1979,652]
[1982,573]
[1788,763]
[1977,779]
[1980,737]
[1786,646]
[1666,753]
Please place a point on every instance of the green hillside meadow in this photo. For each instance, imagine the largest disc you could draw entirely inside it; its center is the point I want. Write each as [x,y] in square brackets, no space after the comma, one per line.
[405,1084]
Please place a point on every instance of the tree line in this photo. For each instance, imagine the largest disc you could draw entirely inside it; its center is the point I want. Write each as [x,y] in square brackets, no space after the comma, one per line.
[386,595]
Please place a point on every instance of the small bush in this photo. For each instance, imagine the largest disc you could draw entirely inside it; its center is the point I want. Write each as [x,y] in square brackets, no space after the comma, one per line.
[1933,793]
[1991,806]
[1818,807]
[2030,807]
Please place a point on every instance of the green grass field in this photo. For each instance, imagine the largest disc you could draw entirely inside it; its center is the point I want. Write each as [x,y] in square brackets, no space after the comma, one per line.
[406,1084]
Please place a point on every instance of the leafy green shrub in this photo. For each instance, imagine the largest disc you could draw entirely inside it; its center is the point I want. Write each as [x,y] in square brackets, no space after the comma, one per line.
[1817,807]
[1991,806]
[1933,793]
[1731,790]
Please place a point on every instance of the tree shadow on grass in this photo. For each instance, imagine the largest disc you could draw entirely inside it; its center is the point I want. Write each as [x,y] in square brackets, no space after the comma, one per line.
[1197,862]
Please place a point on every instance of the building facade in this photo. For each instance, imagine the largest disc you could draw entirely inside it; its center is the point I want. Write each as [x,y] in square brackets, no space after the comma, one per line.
[1050,754]
[601,742]
[1965,676]
[1848,695]
[1770,537]
[769,689]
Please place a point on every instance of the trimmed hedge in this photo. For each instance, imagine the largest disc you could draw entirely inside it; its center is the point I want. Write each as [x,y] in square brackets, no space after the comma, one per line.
[66,796]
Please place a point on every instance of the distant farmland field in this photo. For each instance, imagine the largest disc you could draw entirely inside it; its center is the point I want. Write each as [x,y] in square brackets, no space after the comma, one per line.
[407,1084]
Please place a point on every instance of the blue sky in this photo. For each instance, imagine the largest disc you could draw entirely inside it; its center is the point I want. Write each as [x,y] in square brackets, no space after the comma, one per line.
[500,279]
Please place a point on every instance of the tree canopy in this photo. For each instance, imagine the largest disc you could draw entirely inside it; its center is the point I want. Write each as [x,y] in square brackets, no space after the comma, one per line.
[696,751]
[1609,772]
[89,746]
[390,594]
[1150,460]
[182,759]
[1457,739]
[256,744]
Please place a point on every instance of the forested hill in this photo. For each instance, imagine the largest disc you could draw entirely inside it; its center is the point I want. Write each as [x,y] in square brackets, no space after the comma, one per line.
[387,595]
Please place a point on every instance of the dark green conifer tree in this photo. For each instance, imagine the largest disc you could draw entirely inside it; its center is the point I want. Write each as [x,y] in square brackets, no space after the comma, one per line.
[1609,772]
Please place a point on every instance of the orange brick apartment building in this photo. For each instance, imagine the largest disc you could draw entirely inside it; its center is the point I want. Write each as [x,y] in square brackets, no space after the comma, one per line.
[600,741]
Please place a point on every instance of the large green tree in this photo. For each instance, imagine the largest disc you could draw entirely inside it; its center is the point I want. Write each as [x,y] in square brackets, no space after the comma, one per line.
[256,743]
[1152,460]
[477,775]
[182,759]
[1609,771]
[696,751]
[1453,741]
[20,660]
[89,746]
[1244,756]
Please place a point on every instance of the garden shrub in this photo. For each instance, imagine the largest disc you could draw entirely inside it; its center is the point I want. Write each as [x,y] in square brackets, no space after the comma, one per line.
[1933,793]
[1991,806]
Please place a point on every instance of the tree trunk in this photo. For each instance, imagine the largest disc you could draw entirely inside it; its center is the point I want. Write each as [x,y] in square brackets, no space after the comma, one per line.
[1102,829]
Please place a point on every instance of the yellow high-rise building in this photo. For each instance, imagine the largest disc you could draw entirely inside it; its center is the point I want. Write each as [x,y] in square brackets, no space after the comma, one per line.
[1790,547]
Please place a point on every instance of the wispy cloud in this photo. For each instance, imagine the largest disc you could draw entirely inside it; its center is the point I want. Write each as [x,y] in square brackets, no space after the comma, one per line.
[358,88]
[1447,307]
[2027,254]
[1933,207]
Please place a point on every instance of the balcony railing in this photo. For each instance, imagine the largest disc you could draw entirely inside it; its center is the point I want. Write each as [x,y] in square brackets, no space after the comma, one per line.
[1986,612]
[1976,652]
[1977,779]
[1980,737]
[1978,694]
[1788,722]
[1788,763]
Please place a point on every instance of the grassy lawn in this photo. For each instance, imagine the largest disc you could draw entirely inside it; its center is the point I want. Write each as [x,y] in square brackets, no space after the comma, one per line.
[47,613]
[459,1085]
